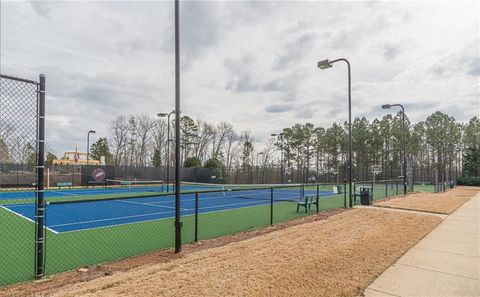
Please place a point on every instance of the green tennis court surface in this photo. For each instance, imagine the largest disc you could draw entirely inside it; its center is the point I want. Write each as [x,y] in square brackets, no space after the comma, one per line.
[66,251]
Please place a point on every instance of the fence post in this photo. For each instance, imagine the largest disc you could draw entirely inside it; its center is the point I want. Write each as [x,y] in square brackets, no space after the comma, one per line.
[271,206]
[344,193]
[373,185]
[40,205]
[386,189]
[196,216]
[318,196]
[397,187]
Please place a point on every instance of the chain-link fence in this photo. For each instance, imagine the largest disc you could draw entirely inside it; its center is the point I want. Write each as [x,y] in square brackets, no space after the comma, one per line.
[21,139]
[105,228]
[82,222]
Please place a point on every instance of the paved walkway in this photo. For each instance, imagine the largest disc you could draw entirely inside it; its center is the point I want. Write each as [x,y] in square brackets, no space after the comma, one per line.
[445,263]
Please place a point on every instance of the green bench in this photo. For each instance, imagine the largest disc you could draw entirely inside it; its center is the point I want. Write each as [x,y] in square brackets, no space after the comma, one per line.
[307,202]
[64,185]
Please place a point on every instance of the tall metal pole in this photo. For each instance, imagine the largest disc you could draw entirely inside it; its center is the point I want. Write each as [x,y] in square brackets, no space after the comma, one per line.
[281,160]
[88,147]
[88,144]
[168,152]
[178,223]
[350,170]
[350,158]
[404,151]
[40,206]
[327,64]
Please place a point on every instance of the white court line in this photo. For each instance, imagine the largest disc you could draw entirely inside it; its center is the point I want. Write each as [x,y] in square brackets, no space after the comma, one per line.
[149,204]
[226,197]
[110,219]
[159,219]
[218,206]
[254,202]
[143,215]
[61,192]
[28,219]
[188,209]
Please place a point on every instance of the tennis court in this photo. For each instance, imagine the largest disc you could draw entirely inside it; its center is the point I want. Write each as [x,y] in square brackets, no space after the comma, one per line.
[82,215]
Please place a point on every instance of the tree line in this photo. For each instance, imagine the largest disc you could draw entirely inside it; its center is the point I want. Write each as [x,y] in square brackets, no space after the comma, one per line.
[437,148]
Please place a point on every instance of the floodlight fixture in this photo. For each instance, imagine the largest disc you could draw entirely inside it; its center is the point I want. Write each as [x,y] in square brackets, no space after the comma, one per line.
[386,106]
[325,64]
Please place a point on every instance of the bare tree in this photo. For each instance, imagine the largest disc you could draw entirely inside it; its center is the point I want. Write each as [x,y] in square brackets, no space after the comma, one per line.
[204,139]
[231,149]
[118,138]
[145,127]
[221,133]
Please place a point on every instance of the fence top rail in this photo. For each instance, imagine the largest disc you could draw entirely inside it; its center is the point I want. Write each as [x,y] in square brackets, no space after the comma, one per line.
[380,181]
[18,79]
[143,195]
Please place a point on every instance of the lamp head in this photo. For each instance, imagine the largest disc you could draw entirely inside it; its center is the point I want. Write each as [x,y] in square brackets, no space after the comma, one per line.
[386,106]
[161,114]
[274,134]
[324,64]
[91,131]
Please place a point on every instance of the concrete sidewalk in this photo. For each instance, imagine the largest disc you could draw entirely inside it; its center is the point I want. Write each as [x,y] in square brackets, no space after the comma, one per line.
[445,263]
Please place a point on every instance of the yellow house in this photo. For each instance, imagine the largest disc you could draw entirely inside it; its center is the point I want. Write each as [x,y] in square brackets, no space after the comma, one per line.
[75,158]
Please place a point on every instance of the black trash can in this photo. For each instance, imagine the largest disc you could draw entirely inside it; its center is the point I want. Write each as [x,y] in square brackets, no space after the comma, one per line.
[365,197]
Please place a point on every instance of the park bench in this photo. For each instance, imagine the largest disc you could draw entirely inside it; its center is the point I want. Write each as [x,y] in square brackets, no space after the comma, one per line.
[64,185]
[94,183]
[307,202]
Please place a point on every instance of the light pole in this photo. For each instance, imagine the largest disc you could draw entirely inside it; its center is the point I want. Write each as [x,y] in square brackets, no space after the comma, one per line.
[178,222]
[325,64]
[88,144]
[280,135]
[162,115]
[258,164]
[404,152]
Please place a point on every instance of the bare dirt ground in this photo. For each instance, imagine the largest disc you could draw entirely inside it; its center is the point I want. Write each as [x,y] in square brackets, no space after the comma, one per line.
[338,256]
[443,203]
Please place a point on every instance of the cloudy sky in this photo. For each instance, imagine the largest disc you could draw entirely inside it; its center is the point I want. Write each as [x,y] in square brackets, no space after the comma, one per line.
[252,64]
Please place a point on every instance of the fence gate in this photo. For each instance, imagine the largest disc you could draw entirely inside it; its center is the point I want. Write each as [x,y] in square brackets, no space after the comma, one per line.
[22,126]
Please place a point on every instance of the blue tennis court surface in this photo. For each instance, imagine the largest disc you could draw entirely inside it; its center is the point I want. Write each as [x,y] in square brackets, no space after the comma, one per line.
[53,193]
[94,191]
[95,214]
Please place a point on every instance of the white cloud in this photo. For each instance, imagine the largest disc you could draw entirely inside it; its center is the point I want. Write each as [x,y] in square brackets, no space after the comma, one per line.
[249,63]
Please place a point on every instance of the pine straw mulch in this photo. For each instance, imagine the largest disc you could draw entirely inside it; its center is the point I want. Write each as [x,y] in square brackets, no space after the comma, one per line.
[338,256]
[442,203]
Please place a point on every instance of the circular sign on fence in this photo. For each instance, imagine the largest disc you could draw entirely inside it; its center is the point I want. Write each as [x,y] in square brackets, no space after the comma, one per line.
[98,174]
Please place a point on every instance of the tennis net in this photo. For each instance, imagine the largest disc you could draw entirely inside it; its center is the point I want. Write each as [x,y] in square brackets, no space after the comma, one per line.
[279,192]
[135,185]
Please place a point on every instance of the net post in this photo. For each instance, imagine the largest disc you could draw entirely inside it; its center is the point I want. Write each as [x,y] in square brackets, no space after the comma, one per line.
[196,216]
[40,203]
[318,198]
[271,206]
